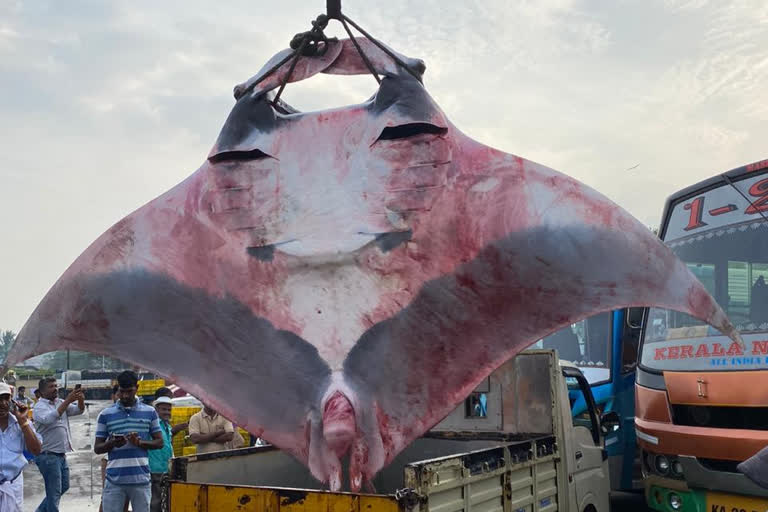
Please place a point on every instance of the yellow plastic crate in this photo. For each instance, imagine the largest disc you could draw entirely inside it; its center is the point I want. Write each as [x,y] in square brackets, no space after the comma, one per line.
[246,436]
[178,441]
[181,415]
[148,387]
[189,450]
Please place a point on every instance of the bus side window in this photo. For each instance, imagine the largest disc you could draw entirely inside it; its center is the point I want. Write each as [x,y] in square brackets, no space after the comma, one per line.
[630,338]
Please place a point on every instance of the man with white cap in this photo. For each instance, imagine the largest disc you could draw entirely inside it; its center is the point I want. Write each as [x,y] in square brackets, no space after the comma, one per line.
[159,459]
[16,435]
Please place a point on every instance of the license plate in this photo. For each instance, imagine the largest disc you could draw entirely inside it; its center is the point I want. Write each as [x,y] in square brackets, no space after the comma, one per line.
[717,502]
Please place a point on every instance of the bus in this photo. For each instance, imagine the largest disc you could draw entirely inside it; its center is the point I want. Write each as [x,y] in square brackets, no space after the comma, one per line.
[605,347]
[702,400]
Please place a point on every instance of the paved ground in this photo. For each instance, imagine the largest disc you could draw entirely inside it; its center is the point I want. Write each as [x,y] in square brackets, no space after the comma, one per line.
[84,465]
[628,502]
[85,480]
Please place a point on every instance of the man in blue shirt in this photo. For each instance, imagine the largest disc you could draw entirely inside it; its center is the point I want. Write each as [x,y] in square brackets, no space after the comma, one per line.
[126,430]
[16,436]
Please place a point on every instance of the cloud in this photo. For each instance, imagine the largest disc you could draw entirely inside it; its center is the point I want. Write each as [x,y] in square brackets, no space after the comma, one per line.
[105,105]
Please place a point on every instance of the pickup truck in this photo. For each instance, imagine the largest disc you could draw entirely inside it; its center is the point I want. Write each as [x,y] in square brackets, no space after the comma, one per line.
[513,445]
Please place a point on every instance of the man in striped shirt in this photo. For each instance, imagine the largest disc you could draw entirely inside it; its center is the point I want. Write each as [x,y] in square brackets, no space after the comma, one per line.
[126,430]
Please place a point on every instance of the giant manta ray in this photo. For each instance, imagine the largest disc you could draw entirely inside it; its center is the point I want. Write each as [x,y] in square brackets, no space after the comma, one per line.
[337,281]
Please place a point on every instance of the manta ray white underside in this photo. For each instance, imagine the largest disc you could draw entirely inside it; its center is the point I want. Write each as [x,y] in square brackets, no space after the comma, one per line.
[337,281]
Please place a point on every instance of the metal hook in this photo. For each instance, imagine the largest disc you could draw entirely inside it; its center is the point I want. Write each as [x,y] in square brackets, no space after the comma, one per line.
[333,9]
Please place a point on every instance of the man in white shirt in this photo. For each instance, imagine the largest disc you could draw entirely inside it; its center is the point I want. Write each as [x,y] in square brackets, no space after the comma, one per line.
[16,436]
[51,415]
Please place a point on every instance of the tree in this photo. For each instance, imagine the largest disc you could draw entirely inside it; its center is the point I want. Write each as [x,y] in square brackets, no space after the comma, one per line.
[6,340]
[81,361]
[58,360]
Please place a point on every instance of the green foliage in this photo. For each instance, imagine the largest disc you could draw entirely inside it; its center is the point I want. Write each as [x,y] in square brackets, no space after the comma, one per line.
[25,374]
[58,360]
[81,361]
[6,340]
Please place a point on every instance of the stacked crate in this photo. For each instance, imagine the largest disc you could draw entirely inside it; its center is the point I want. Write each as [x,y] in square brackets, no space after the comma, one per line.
[148,387]
[182,447]
[182,415]
[246,436]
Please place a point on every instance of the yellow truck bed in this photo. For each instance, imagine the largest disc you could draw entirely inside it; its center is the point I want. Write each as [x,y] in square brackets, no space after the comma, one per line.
[518,476]
[509,461]
[210,498]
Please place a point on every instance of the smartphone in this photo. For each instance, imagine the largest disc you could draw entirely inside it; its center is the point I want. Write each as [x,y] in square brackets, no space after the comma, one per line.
[78,386]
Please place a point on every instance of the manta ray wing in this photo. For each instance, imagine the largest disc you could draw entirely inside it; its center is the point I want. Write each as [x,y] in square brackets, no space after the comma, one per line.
[530,251]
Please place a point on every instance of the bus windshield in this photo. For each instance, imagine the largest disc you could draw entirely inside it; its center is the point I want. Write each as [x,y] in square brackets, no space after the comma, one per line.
[723,238]
[587,344]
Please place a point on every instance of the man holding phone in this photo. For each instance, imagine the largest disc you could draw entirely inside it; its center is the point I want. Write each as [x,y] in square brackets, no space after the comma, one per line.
[127,430]
[16,436]
[51,416]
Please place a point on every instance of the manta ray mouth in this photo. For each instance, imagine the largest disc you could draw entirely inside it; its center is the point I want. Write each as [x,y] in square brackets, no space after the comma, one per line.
[339,423]
[317,247]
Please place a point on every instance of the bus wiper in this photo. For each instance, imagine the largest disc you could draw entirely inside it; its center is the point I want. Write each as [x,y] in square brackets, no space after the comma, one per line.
[742,194]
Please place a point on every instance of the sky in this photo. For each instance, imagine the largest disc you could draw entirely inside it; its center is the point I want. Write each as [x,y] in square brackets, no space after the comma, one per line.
[105,105]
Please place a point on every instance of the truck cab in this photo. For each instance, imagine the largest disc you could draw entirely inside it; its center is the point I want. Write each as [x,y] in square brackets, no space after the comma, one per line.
[513,444]
[604,347]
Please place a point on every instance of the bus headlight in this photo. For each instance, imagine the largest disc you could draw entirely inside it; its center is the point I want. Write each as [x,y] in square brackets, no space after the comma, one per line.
[662,464]
[675,501]
[677,468]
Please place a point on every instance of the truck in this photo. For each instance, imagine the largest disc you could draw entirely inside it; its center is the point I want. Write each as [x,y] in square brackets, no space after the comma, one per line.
[95,389]
[700,398]
[605,347]
[523,450]
[97,385]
